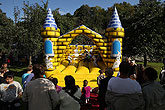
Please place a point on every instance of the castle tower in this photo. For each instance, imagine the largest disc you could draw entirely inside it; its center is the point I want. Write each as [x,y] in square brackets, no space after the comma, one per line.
[50,33]
[114,34]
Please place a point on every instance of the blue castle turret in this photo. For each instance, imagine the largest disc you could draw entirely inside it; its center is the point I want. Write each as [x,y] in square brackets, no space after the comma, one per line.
[49,21]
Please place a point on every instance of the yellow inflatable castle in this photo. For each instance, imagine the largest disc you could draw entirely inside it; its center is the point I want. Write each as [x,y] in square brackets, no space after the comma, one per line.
[63,59]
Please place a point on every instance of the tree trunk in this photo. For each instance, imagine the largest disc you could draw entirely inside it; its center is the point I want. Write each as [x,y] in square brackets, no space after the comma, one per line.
[30,60]
[145,60]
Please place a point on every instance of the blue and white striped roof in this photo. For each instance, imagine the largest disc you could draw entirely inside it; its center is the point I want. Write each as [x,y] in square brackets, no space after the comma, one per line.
[49,21]
[115,21]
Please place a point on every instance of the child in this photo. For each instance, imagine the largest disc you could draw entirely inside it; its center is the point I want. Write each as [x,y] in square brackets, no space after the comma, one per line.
[4,66]
[86,91]
[3,71]
[26,75]
[10,92]
[55,81]
[69,59]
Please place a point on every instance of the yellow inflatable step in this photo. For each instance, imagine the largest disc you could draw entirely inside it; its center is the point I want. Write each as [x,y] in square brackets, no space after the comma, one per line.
[69,70]
[95,71]
[82,70]
[60,67]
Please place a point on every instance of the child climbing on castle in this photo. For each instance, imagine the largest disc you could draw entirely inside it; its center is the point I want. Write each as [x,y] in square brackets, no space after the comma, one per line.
[86,91]
[69,59]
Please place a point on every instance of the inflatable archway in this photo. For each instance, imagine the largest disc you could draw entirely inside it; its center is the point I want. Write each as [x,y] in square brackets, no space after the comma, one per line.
[64,40]
[109,49]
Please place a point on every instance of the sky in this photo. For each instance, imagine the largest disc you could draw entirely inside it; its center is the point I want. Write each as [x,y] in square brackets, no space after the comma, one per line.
[66,6]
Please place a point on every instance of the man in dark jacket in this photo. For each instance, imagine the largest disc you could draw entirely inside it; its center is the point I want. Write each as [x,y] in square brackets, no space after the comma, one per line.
[103,88]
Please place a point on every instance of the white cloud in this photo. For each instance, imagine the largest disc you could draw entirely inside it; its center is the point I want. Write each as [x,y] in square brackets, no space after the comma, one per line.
[63,12]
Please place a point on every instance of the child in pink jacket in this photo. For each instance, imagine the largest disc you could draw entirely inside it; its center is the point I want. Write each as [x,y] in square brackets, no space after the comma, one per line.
[86,91]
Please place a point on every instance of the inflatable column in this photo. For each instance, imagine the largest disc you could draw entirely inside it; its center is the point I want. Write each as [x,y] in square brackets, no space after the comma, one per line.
[50,33]
[114,34]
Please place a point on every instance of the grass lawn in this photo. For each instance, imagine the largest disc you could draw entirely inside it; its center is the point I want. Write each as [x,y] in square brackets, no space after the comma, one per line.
[156,66]
[20,70]
[19,79]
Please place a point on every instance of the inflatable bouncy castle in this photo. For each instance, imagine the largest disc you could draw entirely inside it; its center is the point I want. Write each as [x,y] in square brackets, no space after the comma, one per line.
[62,58]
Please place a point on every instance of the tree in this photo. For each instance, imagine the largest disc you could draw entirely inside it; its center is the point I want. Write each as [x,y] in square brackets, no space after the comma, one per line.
[92,17]
[6,32]
[146,32]
[144,26]
[30,42]
[82,15]
[65,23]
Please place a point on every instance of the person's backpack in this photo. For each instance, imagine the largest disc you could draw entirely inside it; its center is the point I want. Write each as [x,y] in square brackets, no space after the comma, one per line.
[9,94]
[162,77]
[80,101]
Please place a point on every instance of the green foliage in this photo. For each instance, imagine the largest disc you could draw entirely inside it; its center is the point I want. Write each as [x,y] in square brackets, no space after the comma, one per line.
[30,43]
[65,22]
[92,17]
[145,34]
[6,32]
[144,26]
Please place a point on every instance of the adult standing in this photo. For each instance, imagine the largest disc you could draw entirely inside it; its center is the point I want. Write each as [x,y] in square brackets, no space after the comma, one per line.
[70,95]
[100,77]
[153,93]
[103,88]
[40,94]
[132,71]
[124,93]
[139,73]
